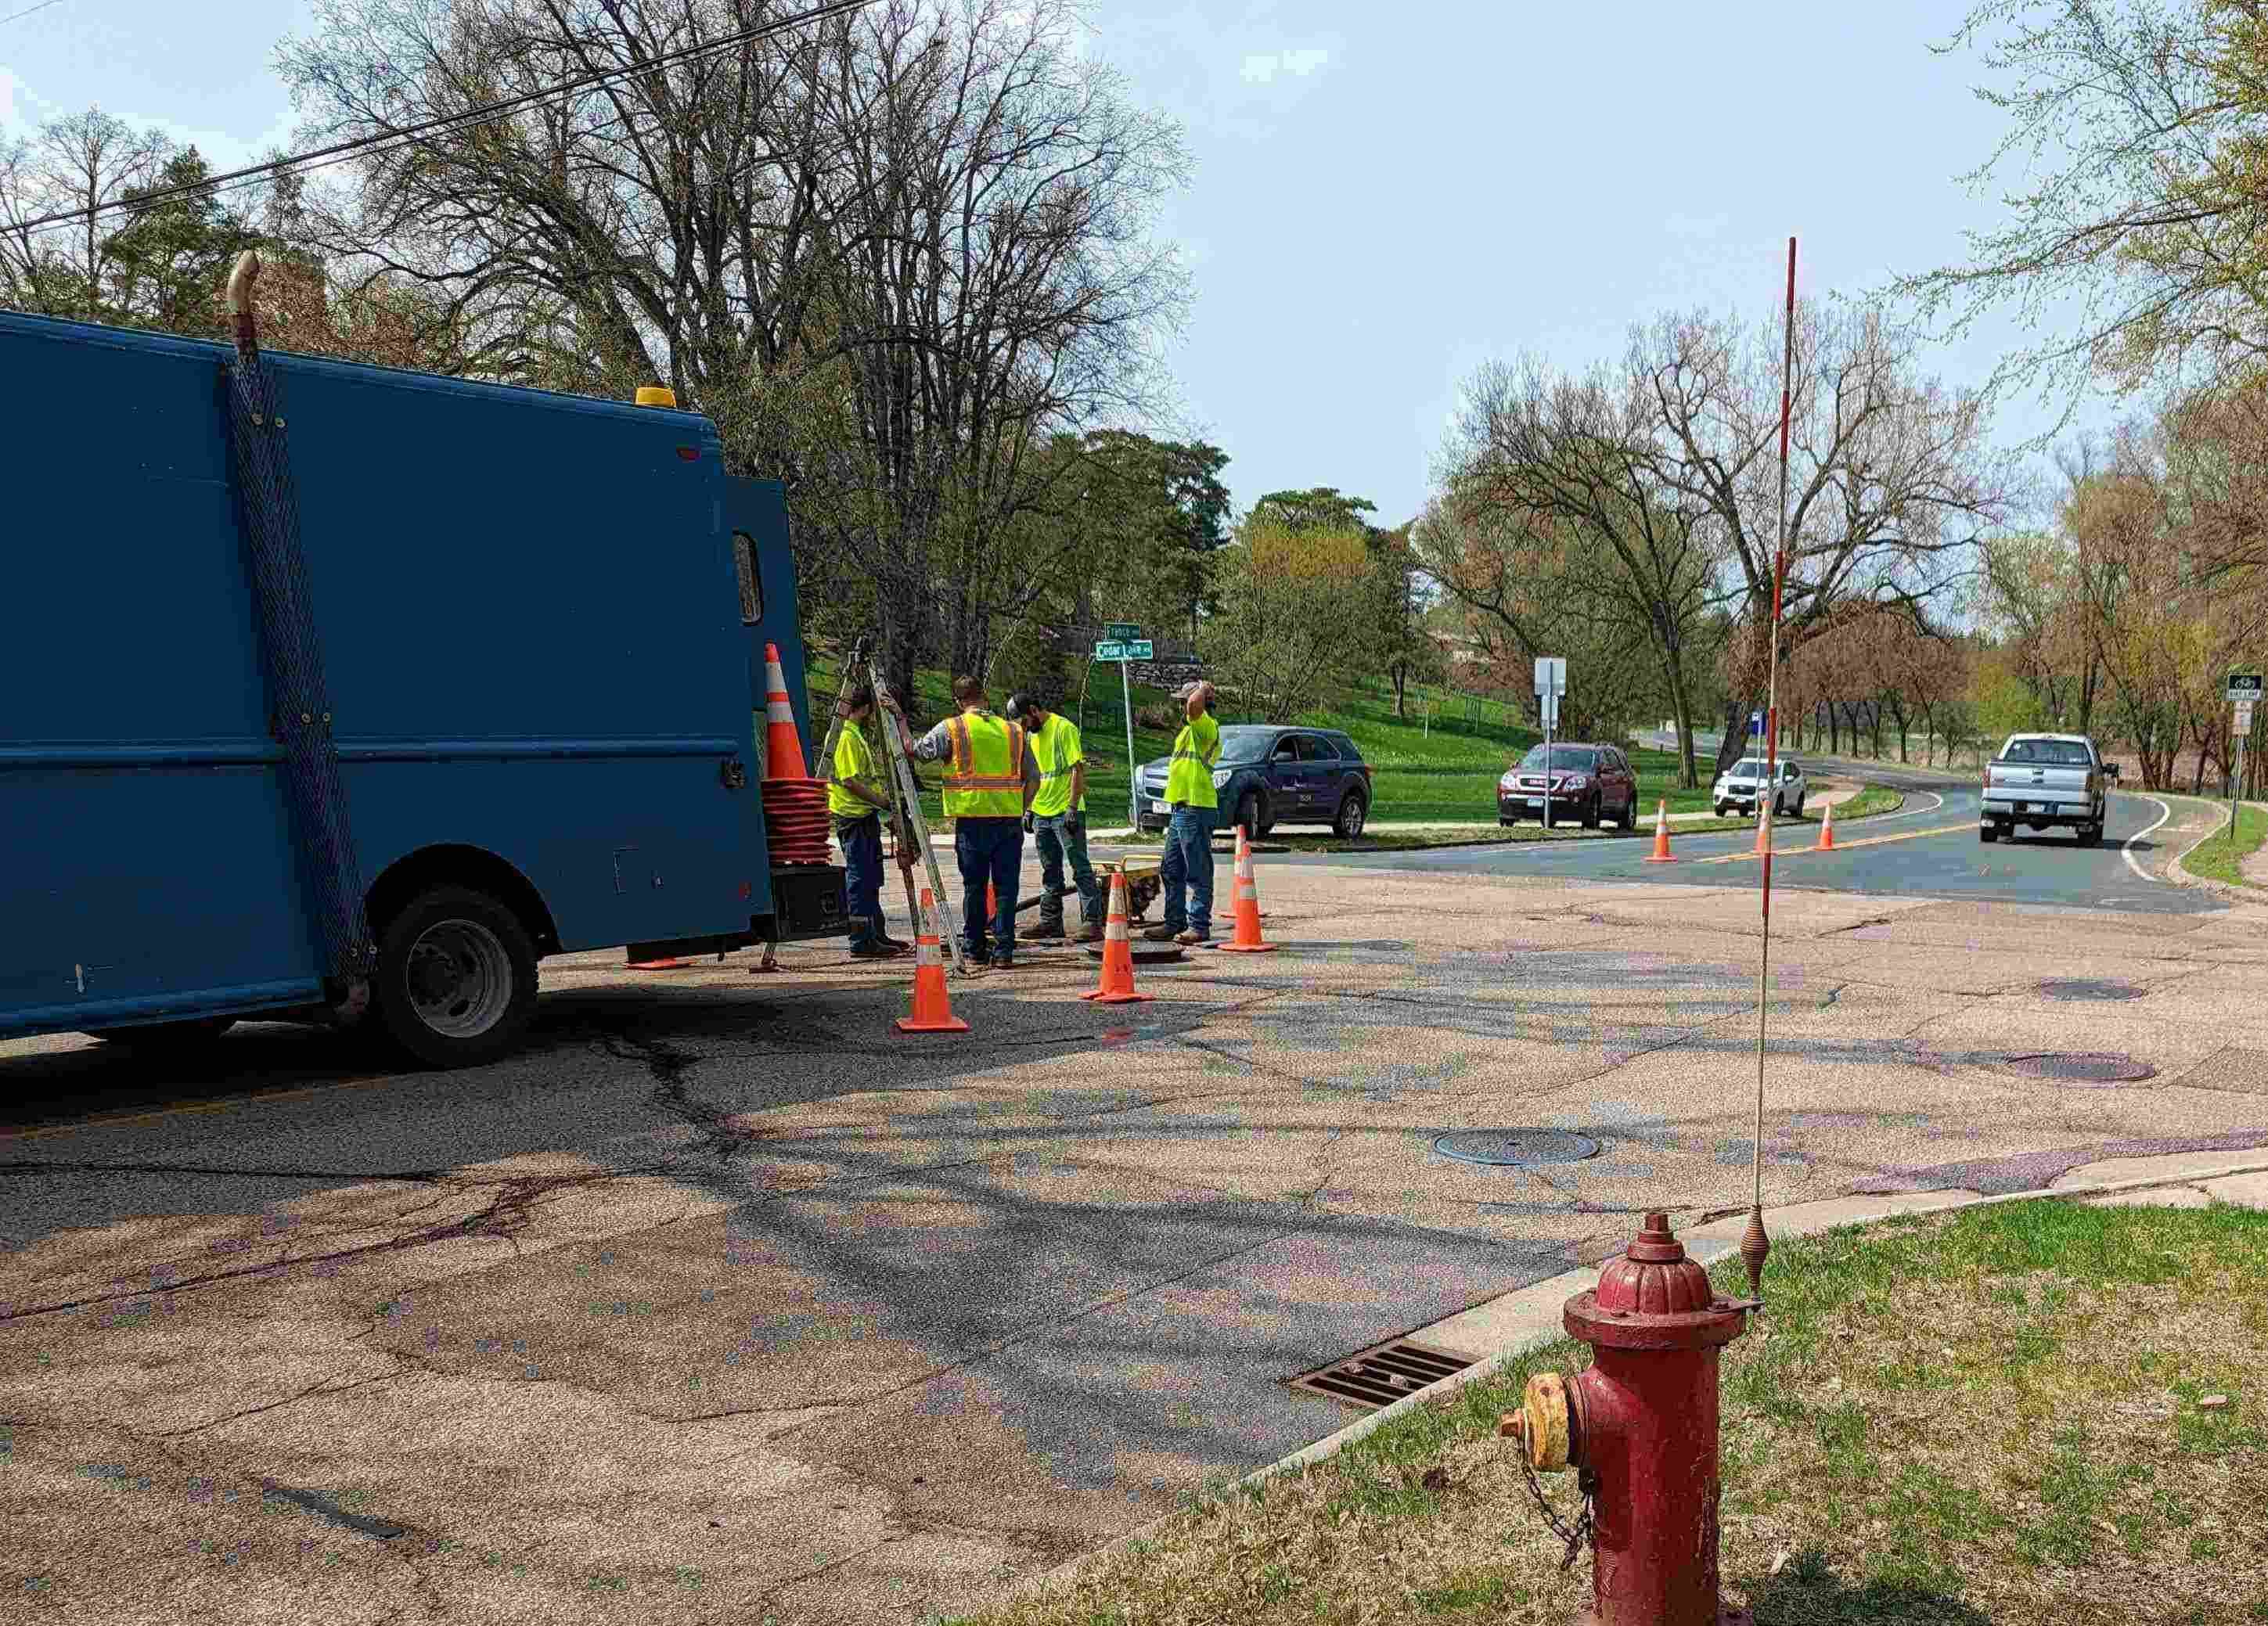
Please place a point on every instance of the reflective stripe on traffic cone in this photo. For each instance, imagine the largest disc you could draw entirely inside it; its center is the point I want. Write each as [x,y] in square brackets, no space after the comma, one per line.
[932,1008]
[1827,828]
[1661,834]
[1116,984]
[1763,829]
[1248,904]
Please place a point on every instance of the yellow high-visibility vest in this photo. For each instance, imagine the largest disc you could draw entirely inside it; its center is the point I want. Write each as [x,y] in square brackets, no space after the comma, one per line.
[986,779]
[1057,749]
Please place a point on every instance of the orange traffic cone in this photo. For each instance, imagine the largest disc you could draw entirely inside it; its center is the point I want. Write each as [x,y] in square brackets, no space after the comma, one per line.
[1661,834]
[1116,985]
[796,821]
[782,747]
[655,965]
[1248,904]
[991,902]
[1827,828]
[932,1007]
[1763,830]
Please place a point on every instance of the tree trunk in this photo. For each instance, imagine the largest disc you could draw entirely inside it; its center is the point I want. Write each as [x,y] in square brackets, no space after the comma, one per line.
[1400,674]
[1834,734]
[1680,707]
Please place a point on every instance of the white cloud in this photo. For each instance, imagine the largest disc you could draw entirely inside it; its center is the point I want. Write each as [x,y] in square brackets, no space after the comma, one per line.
[1262,68]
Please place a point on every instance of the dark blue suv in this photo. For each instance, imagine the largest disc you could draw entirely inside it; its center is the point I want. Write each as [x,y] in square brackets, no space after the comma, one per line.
[1270,776]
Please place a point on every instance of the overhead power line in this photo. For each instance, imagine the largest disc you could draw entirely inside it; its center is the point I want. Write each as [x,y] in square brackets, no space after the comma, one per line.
[339,153]
[29,10]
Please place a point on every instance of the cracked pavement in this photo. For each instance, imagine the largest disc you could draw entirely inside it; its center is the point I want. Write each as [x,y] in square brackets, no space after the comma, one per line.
[725,1302]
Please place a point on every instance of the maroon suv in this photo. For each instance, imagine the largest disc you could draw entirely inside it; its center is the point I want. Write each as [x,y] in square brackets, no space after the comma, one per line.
[1593,782]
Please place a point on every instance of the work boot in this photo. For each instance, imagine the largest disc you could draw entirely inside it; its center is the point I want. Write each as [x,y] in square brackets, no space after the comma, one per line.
[866,948]
[1191,935]
[1162,934]
[1089,931]
[1004,963]
[1048,930]
[882,938]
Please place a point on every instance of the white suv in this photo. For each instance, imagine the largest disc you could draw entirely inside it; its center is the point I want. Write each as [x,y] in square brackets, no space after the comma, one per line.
[1738,786]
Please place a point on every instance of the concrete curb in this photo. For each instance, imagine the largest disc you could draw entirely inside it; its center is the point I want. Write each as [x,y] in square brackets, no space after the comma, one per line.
[1554,1291]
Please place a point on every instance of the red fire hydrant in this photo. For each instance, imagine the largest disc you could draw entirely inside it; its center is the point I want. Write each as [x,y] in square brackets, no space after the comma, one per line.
[1640,1423]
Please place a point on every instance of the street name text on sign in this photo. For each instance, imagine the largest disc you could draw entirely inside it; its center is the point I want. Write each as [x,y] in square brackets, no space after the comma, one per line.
[1138,648]
[1121,631]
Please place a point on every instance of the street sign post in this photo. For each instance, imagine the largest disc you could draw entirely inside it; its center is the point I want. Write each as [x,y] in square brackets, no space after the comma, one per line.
[1122,646]
[1550,684]
[2244,687]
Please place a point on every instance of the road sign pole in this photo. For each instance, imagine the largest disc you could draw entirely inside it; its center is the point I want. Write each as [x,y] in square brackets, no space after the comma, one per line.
[1126,696]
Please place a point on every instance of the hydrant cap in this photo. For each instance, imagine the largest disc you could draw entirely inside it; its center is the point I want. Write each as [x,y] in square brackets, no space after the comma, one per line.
[1654,1276]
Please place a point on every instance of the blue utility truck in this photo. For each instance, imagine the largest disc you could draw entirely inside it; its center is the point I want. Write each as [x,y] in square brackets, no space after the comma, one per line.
[334,692]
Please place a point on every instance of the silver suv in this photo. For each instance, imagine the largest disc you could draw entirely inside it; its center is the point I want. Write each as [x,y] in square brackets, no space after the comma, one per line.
[1740,784]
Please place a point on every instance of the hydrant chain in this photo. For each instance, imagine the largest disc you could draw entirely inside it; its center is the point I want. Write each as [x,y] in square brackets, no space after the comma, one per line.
[1581,1531]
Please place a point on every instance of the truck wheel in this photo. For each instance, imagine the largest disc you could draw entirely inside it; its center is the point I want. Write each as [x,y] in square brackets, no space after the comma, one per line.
[1349,822]
[189,1035]
[456,978]
[1987,833]
[2090,835]
[1247,814]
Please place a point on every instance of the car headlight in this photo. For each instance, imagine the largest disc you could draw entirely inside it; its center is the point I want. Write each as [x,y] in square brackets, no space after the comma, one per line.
[1504,784]
[1220,778]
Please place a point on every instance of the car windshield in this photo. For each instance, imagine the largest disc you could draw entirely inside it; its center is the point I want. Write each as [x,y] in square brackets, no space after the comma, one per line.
[1564,759]
[1746,768]
[1245,745]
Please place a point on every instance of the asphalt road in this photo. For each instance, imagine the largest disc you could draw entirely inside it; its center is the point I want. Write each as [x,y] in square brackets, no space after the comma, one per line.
[1929,848]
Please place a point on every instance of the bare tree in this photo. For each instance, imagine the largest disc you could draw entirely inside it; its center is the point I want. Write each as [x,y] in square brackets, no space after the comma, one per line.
[81,161]
[1556,511]
[887,253]
[1890,482]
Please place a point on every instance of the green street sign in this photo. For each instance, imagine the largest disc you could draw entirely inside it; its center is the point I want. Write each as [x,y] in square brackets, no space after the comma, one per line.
[2244,685]
[1121,631]
[1136,649]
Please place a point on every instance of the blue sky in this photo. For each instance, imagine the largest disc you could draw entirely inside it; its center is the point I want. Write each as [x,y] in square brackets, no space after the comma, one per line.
[1384,195]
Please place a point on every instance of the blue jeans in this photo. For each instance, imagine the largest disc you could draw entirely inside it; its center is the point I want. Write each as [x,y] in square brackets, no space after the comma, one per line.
[862,878]
[1055,843]
[1188,863]
[988,850]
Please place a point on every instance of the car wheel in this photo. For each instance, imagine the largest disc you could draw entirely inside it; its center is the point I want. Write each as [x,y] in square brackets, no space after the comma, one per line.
[1350,815]
[1720,809]
[1987,833]
[456,978]
[189,1035]
[1591,813]
[1799,806]
[2090,835]
[1248,813]
[1629,814]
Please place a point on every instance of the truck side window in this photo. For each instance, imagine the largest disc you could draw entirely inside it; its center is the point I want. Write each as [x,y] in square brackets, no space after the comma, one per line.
[752,591]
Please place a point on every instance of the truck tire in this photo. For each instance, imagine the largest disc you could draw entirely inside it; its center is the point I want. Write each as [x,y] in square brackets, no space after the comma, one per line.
[189,1035]
[456,978]
[1249,811]
[1988,833]
[2089,834]
[1347,822]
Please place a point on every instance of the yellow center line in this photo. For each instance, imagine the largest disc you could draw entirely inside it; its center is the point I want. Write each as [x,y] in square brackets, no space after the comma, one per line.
[176,1109]
[1871,841]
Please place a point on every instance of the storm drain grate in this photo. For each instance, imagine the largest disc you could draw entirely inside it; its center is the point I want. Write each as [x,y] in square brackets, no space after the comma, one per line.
[1515,1148]
[2082,1067]
[1381,1376]
[2091,988]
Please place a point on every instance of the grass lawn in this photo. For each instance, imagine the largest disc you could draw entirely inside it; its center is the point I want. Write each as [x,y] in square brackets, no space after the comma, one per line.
[2217,858]
[1446,771]
[1985,1418]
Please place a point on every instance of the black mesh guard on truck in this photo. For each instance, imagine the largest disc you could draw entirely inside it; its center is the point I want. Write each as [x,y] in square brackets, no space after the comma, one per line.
[292,658]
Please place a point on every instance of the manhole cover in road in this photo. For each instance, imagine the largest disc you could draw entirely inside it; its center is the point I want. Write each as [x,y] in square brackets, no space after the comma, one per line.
[1143,953]
[1513,1147]
[2091,988]
[2087,1066]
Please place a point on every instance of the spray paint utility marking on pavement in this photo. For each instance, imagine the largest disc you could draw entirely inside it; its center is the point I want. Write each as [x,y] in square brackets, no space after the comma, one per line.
[1871,841]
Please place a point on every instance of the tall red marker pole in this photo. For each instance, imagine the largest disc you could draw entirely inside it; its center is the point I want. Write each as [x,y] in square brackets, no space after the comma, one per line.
[1755,1245]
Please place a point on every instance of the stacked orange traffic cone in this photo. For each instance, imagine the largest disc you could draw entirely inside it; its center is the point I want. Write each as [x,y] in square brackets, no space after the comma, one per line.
[1827,828]
[1248,904]
[795,804]
[932,1007]
[1117,986]
[1661,834]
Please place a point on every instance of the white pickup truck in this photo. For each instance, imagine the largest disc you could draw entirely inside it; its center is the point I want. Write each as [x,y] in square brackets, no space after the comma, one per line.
[2043,780]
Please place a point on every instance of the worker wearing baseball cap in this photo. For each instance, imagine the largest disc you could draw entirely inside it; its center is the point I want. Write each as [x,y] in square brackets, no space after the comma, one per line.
[1187,866]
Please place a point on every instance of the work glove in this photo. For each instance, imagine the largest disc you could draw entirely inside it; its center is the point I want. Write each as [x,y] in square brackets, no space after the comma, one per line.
[1028,822]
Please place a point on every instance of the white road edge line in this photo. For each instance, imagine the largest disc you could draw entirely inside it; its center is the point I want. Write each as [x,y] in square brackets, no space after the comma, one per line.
[2126,849]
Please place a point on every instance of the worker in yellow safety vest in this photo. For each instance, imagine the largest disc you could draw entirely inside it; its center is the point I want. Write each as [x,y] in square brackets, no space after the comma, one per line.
[1057,821]
[1188,864]
[856,801]
[990,780]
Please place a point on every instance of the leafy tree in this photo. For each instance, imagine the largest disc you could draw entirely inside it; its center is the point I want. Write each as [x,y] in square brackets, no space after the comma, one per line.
[1280,642]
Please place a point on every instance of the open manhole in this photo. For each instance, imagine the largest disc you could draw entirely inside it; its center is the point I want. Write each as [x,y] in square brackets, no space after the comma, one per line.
[2081,1067]
[1380,1376]
[1515,1148]
[1144,954]
[2091,988]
